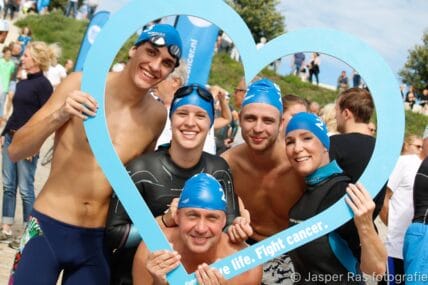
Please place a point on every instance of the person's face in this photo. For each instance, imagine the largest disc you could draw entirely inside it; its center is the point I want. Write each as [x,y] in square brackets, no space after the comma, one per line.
[3,36]
[190,125]
[415,147]
[28,62]
[166,89]
[200,229]
[340,119]
[7,55]
[305,151]
[16,49]
[260,125]
[149,64]
[239,93]
[425,147]
[291,111]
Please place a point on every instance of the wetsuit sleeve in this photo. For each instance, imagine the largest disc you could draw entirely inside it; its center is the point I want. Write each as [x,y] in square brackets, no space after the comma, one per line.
[224,176]
[120,231]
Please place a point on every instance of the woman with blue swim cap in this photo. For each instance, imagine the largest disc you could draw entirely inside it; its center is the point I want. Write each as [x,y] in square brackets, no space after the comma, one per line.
[160,176]
[354,247]
[198,239]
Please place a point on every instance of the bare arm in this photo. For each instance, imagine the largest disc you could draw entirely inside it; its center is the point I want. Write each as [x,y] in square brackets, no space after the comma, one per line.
[385,209]
[226,115]
[373,252]
[62,105]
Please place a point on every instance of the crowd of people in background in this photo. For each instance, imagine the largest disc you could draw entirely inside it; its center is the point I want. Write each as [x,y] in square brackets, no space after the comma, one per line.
[253,142]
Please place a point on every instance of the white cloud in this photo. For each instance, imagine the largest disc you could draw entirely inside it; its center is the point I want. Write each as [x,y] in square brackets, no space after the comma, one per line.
[391,27]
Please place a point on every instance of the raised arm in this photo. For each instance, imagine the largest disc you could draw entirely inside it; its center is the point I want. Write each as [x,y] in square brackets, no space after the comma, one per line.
[373,252]
[67,101]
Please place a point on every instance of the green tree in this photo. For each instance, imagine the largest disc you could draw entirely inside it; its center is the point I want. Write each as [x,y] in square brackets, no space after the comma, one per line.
[261,17]
[415,70]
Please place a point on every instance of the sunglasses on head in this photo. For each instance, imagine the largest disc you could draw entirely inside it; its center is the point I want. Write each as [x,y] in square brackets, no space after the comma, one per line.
[187,90]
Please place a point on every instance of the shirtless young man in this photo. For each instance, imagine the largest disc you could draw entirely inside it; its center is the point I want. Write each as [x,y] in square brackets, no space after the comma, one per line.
[263,177]
[66,229]
[198,239]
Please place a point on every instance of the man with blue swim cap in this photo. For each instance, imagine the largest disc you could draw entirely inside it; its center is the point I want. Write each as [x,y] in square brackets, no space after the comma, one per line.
[198,240]
[262,174]
[162,35]
[69,209]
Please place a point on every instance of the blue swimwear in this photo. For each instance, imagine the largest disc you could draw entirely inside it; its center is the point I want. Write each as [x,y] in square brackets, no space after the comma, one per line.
[49,246]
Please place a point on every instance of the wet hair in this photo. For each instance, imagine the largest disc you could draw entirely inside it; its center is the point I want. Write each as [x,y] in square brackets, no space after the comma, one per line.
[359,102]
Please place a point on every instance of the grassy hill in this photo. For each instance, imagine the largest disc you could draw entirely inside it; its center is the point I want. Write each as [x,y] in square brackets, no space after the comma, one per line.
[225,71]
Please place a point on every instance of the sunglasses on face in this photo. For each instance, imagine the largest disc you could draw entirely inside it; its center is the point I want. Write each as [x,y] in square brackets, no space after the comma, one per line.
[160,41]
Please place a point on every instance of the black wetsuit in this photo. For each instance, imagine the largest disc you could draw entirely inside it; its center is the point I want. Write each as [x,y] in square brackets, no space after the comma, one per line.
[353,151]
[159,180]
[317,258]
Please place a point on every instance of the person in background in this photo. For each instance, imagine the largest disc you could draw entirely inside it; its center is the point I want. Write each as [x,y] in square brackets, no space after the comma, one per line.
[397,211]
[342,82]
[355,247]
[314,107]
[298,62]
[328,115]
[4,30]
[31,94]
[69,66]
[198,239]
[24,38]
[314,67]
[7,67]
[415,250]
[56,72]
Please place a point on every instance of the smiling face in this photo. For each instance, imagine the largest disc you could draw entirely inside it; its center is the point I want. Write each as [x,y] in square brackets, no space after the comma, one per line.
[190,125]
[149,64]
[260,125]
[305,151]
[200,229]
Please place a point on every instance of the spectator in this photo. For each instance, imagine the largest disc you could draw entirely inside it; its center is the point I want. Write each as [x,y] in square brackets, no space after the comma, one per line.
[415,250]
[397,211]
[356,79]
[69,66]
[10,7]
[298,61]
[314,107]
[24,38]
[342,82]
[71,5]
[4,30]
[7,67]
[412,145]
[314,67]
[328,115]
[56,72]
[30,96]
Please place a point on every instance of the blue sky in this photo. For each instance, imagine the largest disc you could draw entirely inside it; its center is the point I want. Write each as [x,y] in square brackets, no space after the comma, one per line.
[391,27]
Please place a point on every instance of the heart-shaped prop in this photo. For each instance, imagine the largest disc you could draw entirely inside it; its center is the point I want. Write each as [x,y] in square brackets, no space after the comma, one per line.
[369,64]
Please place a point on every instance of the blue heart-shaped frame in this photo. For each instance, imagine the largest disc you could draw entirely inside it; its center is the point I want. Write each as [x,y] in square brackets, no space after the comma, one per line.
[370,65]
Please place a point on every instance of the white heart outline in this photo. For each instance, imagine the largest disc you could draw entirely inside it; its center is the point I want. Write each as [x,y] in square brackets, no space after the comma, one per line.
[370,65]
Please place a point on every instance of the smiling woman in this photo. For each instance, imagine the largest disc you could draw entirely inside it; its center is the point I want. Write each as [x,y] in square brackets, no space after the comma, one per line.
[338,253]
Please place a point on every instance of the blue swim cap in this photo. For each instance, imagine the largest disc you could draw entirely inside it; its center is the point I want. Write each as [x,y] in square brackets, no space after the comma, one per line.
[312,123]
[203,191]
[162,35]
[264,91]
[193,94]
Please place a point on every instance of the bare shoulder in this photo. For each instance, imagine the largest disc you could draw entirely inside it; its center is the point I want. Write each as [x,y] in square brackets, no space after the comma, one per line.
[235,155]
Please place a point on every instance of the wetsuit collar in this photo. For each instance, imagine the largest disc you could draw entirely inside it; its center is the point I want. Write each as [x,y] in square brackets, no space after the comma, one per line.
[323,173]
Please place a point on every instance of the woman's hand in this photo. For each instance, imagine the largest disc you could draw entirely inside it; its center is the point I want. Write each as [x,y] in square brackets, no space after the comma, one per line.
[361,204]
